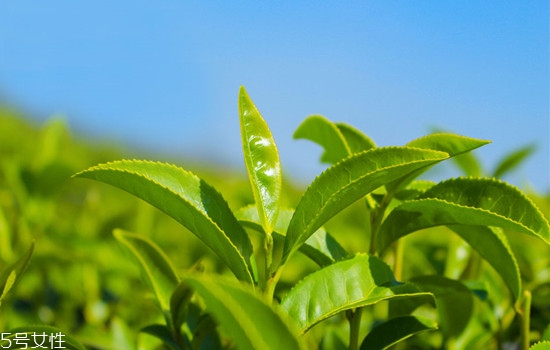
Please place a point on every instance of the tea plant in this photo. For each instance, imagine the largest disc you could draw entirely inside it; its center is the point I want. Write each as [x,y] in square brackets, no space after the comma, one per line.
[373,289]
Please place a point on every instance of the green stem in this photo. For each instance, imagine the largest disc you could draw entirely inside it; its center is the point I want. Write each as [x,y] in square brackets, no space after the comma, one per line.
[354,318]
[398,260]
[525,314]
[268,260]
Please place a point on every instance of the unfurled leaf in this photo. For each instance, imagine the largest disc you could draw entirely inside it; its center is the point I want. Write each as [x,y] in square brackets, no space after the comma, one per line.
[466,201]
[262,161]
[452,144]
[543,345]
[454,302]
[346,284]
[325,133]
[395,330]
[247,318]
[163,333]
[156,267]
[356,140]
[344,183]
[512,160]
[190,201]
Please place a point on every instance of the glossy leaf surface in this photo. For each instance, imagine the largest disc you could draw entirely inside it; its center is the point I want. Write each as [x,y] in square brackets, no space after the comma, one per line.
[190,201]
[262,161]
[346,284]
[157,269]
[395,330]
[466,201]
[248,319]
[344,183]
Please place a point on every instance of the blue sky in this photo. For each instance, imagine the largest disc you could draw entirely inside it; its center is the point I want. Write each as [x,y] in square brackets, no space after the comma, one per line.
[164,75]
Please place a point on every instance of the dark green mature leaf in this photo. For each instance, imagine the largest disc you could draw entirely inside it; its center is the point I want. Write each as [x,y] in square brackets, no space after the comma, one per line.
[454,302]
[190,201]
[395,330]
[346,284]
[10,276]
[262,161]
[163,333]
[50,337]
[321,247]
[512,160]
[322,131]
[466,201]
[248,319]
[344,183]
[156,267]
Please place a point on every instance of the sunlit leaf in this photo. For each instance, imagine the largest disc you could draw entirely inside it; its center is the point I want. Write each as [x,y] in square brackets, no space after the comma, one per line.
[356,140]
[322,131]
[346,284]
[395,330]
[247,318]
[190,201]
[466,201]
[262,161]
[344,183]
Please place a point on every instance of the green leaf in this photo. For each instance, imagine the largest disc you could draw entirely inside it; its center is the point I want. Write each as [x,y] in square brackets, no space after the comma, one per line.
[454,302]
[325,133]
[157,269]
[344,183]
[395,330]
[450,143]
[543,345]
[321,247]
[51,337]
[190,201]
[466,201]
[346,284]
[248,319]
[356,140]
[10,276]
[492,245]
[163,333]
[262,161]
[513,160]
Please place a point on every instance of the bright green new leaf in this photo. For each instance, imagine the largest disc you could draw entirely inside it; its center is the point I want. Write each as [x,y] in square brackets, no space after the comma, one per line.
[190,201]
[346,284]
[262,161]
[395,330]
[351,179]
[512,160]
[246,317]
[454,302]
[466,201]
[48,336]
[325,133]
[156,267]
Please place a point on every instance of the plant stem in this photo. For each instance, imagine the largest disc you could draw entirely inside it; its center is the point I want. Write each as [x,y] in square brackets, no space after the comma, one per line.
[398,260]
[354,318]
[525,314]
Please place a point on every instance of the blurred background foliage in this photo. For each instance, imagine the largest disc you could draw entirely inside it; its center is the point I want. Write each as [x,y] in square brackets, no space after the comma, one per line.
[81,281]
